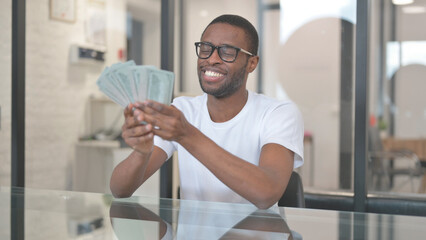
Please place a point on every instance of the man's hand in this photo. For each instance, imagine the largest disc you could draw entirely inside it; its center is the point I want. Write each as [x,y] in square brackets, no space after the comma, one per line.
[144,161]
[168,122]
[136,135]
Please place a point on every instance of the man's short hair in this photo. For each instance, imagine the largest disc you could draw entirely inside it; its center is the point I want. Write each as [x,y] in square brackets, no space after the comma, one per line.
[243,23]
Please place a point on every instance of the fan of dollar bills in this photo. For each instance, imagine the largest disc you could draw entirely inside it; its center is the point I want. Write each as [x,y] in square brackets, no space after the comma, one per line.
[126,83]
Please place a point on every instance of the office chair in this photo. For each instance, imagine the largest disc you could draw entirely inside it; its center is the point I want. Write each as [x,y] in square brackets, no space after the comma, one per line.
[383,164]
[293,195]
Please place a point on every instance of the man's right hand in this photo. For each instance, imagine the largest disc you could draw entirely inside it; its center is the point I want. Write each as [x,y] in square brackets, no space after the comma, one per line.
[144,161]
[137,135]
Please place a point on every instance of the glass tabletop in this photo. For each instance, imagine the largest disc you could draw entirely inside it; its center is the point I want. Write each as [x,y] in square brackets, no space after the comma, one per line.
[50,214]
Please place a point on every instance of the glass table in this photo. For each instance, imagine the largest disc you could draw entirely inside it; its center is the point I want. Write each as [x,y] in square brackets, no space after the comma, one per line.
[50,214]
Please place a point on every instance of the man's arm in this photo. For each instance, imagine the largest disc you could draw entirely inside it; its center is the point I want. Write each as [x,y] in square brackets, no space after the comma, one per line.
[142,163]
[132,172]
[262,185]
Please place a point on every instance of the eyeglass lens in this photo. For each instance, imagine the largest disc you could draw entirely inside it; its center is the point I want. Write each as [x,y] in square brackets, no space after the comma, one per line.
[226,53]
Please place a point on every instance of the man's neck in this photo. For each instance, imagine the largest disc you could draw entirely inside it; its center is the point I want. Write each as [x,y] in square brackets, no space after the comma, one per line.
[224,109]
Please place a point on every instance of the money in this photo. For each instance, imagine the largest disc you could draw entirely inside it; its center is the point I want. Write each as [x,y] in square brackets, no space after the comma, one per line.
[126,83]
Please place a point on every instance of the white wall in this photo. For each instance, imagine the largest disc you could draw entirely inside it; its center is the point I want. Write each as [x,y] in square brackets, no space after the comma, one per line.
[57,92]
[410,81]
[5,90]
[306,69]
[5,105]
[410,119]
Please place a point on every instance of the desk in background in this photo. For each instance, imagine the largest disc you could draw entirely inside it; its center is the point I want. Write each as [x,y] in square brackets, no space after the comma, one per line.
[76,215]
[415,145]
[418,146]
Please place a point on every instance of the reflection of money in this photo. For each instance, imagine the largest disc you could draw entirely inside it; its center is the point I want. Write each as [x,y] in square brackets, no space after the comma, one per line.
[125,83]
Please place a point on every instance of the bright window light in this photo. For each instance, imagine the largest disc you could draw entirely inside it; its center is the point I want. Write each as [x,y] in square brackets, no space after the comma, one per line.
[402,2]
[295,14]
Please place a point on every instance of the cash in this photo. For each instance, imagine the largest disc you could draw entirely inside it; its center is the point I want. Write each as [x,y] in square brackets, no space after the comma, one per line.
[126,83]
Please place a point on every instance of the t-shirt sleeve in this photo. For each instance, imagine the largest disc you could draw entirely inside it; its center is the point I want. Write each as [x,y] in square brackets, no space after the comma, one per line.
[167,146]
[283,125]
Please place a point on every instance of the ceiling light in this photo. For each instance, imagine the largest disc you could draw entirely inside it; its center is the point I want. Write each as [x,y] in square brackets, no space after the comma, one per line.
[402,2]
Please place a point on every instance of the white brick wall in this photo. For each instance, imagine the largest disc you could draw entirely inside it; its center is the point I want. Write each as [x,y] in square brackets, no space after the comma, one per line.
[56,91]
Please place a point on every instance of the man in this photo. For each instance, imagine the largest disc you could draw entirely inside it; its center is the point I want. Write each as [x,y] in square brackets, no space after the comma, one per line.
[233,145]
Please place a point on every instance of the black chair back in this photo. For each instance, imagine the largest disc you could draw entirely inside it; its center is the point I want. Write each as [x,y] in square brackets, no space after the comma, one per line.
[293,195]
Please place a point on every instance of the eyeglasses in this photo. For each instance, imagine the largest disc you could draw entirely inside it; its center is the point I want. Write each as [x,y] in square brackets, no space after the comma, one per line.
[226,52]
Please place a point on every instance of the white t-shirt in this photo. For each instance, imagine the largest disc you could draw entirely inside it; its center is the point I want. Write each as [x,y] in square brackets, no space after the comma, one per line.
[263,120]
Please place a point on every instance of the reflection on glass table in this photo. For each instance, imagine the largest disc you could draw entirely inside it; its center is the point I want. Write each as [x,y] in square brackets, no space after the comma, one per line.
[196,220]
[50,214]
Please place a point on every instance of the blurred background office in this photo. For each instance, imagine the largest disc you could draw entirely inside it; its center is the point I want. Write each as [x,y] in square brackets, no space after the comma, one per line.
[308,54]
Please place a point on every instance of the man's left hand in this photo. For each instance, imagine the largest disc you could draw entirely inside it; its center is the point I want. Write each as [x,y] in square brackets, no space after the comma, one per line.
[168,121]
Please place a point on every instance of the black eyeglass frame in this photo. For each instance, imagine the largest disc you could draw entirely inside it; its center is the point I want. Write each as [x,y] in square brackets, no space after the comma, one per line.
[218,51]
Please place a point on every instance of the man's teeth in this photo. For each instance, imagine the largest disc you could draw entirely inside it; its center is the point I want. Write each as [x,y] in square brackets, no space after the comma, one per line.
[213,74]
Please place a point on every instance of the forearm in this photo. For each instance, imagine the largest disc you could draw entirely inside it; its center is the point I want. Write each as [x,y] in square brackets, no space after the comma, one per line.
[128,175]
[258,184]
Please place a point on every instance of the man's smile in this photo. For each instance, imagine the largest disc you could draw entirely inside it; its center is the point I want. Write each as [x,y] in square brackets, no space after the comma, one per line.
[212,76]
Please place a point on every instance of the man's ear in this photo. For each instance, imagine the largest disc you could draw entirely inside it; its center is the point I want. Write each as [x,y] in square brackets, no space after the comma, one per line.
[252,64]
